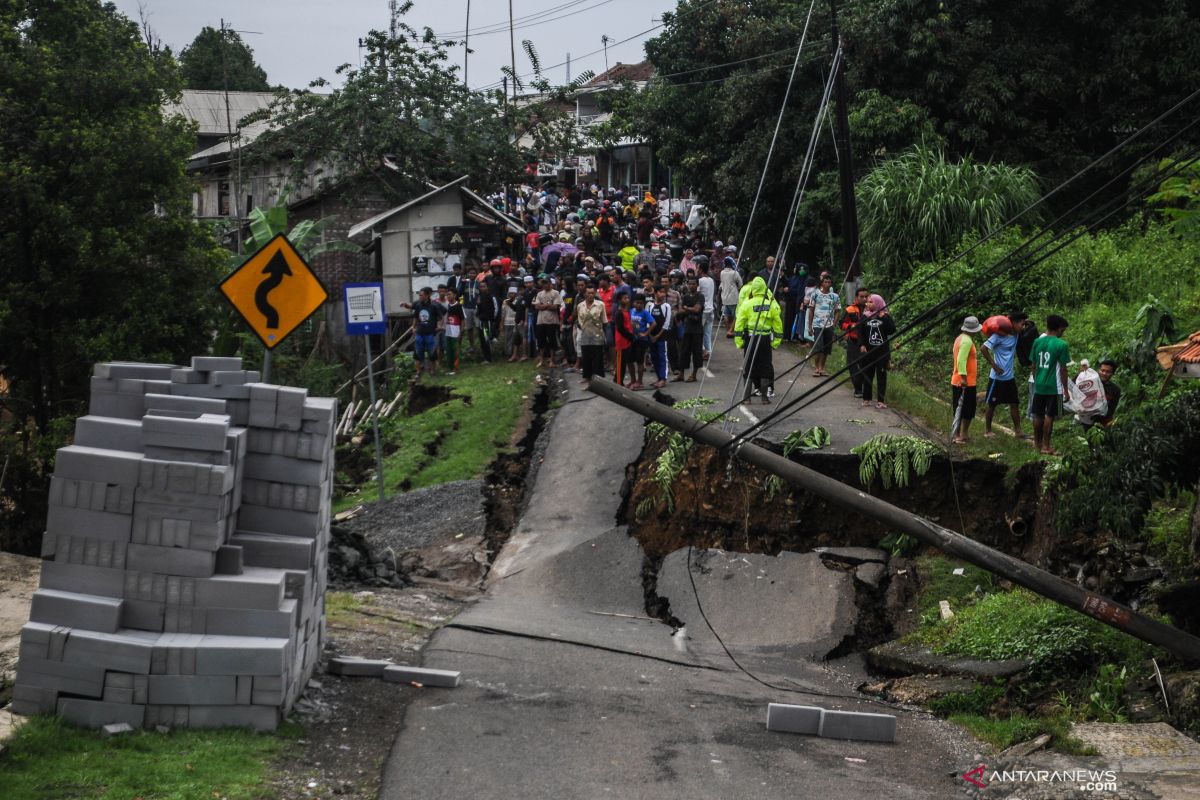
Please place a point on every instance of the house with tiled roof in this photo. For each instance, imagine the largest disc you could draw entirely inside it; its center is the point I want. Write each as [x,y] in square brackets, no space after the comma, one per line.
[1182,359]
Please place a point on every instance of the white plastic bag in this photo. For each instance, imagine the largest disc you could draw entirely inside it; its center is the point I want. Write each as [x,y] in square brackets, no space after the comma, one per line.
[1087,395]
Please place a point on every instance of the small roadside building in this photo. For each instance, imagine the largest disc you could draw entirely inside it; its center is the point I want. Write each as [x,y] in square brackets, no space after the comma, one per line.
[418,244]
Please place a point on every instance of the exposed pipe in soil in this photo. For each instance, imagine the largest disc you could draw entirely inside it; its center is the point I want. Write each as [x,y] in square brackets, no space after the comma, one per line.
[1016,525]
[1110,612]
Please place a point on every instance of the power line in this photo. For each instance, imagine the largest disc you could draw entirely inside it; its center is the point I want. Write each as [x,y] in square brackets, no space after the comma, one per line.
[496,84]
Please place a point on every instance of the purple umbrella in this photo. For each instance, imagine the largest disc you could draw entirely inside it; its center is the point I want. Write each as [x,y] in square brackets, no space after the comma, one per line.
[562,248]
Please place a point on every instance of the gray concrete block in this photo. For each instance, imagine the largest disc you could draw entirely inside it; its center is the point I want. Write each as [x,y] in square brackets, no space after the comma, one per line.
[227,377]
[66,677]
[192,405]
[195,456]
[184,619]
[171,561]
[166,717]
[793,719]
[81,550]
[112,404]
[116,729]
[208,390]
[320,409]
[87,611]
[264,519]
[242,655]
[253,621]
[256,587]
[245,690]
[93,464]
[109,433]
[144,615]
[289,407]
[398,673]
[37,632]
[266,697]
[62,520]
[280,469]
[358,667]
[138,386]
[258,718]
[229,560]
[262,404]
[188,376]
[30,700]
[114,695]
[193,690]
[275,550]
[118,680]
[216,363]
[97,714]
[113,370]
[65,577]
[125,651]
[56,650]
[857,725]
[92,495]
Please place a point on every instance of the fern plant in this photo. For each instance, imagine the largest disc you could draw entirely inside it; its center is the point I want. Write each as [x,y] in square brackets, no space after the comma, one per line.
[670,464]
[893,458]
[814,438]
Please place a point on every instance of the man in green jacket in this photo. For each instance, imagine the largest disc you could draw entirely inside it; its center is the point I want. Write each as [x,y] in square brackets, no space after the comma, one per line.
[758,329]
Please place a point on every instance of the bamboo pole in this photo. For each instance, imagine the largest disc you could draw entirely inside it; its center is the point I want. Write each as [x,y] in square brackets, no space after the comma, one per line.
[1110,612]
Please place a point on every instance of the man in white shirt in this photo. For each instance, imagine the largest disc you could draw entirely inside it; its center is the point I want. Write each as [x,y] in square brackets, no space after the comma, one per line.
[708,290]
[731,284]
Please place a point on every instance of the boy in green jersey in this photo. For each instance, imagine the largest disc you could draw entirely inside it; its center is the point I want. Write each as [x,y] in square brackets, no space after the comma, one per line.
[1050,357]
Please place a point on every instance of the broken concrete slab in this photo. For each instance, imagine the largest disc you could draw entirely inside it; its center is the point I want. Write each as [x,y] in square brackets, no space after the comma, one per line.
[899,658]
[116,729]
[350,666]
[441,678]
[852,555]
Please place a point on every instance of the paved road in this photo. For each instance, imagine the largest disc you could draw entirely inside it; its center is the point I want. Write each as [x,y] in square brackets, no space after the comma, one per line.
[571,692]
[843,415]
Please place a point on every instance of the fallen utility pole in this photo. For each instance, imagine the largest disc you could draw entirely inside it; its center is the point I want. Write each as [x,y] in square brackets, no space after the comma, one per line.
[1110,612]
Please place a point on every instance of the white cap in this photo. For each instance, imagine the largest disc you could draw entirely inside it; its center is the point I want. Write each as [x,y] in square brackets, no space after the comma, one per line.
[731,248]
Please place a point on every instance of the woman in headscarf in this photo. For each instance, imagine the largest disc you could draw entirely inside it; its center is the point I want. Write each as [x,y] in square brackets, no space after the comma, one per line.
[758,330]
[875,331]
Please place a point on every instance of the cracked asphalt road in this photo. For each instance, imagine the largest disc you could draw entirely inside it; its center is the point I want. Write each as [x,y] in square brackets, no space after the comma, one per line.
[569,691]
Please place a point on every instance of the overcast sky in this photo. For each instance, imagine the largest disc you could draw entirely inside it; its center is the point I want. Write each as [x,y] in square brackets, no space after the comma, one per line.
[300,40]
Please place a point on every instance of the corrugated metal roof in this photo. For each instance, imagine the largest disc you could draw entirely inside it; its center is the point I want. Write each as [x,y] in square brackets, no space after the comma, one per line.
[367,224]
[207,108]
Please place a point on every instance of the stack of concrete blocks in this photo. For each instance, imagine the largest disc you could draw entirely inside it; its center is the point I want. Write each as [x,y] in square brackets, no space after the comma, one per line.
[186,551]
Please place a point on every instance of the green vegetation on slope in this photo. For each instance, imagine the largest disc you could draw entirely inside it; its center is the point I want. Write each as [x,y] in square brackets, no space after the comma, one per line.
[465,433]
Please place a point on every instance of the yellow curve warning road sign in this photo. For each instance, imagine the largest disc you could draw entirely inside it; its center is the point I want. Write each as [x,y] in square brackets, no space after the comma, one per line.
[274,291]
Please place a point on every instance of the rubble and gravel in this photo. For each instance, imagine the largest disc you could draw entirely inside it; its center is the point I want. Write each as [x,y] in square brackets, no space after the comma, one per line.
[423,517]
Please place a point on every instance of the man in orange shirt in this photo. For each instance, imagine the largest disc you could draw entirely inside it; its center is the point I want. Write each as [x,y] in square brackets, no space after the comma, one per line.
[962,380]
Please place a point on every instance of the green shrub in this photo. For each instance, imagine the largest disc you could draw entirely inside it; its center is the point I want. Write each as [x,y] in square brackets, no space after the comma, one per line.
[977,701]
[1019,624]
[1169,530]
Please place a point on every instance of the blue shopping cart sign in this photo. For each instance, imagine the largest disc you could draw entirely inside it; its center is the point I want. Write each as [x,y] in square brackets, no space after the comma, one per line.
[364,309]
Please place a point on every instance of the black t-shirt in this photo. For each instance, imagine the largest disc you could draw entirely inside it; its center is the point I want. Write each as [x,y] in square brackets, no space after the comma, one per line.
[692,321]
[427,316]
[568,305]
[1025,339]
[470,292]
[662,263]
[659,315]
[488,307]
[1112,393]
[528,296]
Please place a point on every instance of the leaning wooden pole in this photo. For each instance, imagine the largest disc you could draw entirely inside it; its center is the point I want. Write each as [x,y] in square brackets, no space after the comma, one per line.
[1119,616]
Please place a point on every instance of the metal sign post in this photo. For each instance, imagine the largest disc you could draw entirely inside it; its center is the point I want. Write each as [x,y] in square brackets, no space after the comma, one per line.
[365,317]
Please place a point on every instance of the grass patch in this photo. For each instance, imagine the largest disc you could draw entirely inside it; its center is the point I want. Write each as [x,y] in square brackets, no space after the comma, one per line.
[341,607]
[50,760]
[1006,731]
[1168,530]
[938,582]
[468,431]
[1020,624]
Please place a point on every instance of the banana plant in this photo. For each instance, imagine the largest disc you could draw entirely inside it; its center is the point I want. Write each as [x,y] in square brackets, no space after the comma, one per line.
[265,225]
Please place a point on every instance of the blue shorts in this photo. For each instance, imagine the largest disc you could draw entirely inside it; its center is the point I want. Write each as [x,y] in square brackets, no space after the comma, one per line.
[730,312]
[425,346]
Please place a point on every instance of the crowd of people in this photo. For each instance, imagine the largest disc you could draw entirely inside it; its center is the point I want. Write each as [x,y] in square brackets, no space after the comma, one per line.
[608,283]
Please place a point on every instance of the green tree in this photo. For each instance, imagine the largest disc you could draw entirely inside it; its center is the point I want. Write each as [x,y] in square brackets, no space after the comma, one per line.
[1178,198]
[211,57]
[1019,82]
[917,206]
[405,107]
[99,256]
